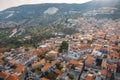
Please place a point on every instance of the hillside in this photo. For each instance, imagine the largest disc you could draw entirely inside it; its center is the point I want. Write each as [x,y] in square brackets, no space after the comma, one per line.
[28,12]
[41,21]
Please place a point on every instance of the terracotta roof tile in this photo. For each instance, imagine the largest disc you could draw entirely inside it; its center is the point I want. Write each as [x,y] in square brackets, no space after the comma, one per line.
[3,74]
[110,66]
[44,78]
[57,71]
[105,72]
[12,77]
[12,62]
[90,60]
[39,63]
[89,78]
[46,66]
[74,61]
[20,68]
[84,46]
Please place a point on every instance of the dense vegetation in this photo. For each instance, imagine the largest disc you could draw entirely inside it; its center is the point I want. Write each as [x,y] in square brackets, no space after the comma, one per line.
[63,46]
[37,33]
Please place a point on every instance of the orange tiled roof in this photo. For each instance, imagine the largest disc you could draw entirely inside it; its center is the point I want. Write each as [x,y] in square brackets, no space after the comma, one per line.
[89,55]
[12,62]
[56,49]
[20,67]
[105,72]
[3,74]
[102,34]
[75,43]
[46,66]
[84,46]
[1,54]
[57,71]
[73,61]
[90,60]
[114,54]
[1,61]
[39,63]
[38,50]
[111,66]
[12,77]
[44,78]
[89,78]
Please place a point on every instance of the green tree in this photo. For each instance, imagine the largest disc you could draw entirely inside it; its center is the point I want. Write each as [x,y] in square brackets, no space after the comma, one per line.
[59,66]
[51,75]
[29,65]
[63,46]
[13,66]
[71,76]
[73,67]
[33,70]
[41,56]
[48,58]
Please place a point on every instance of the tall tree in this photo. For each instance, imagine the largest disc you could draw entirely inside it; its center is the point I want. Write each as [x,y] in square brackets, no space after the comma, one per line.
[63,46]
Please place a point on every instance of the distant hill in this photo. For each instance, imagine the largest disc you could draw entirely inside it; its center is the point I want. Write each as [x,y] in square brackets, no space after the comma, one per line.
[39,14]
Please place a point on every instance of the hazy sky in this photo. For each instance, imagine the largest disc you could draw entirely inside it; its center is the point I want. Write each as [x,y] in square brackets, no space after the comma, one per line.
[10,3]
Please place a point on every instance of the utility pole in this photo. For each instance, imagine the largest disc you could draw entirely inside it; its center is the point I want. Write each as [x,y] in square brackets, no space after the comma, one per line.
[82,69]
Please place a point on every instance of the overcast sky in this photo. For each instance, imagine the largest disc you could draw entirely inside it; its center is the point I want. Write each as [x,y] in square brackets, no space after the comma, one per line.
[10,3]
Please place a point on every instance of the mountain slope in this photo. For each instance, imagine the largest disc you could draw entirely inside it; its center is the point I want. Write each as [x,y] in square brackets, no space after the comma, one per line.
[36,13]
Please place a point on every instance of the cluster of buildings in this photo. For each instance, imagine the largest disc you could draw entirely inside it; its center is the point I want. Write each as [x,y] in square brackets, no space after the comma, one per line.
[103,10]
[93,54]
